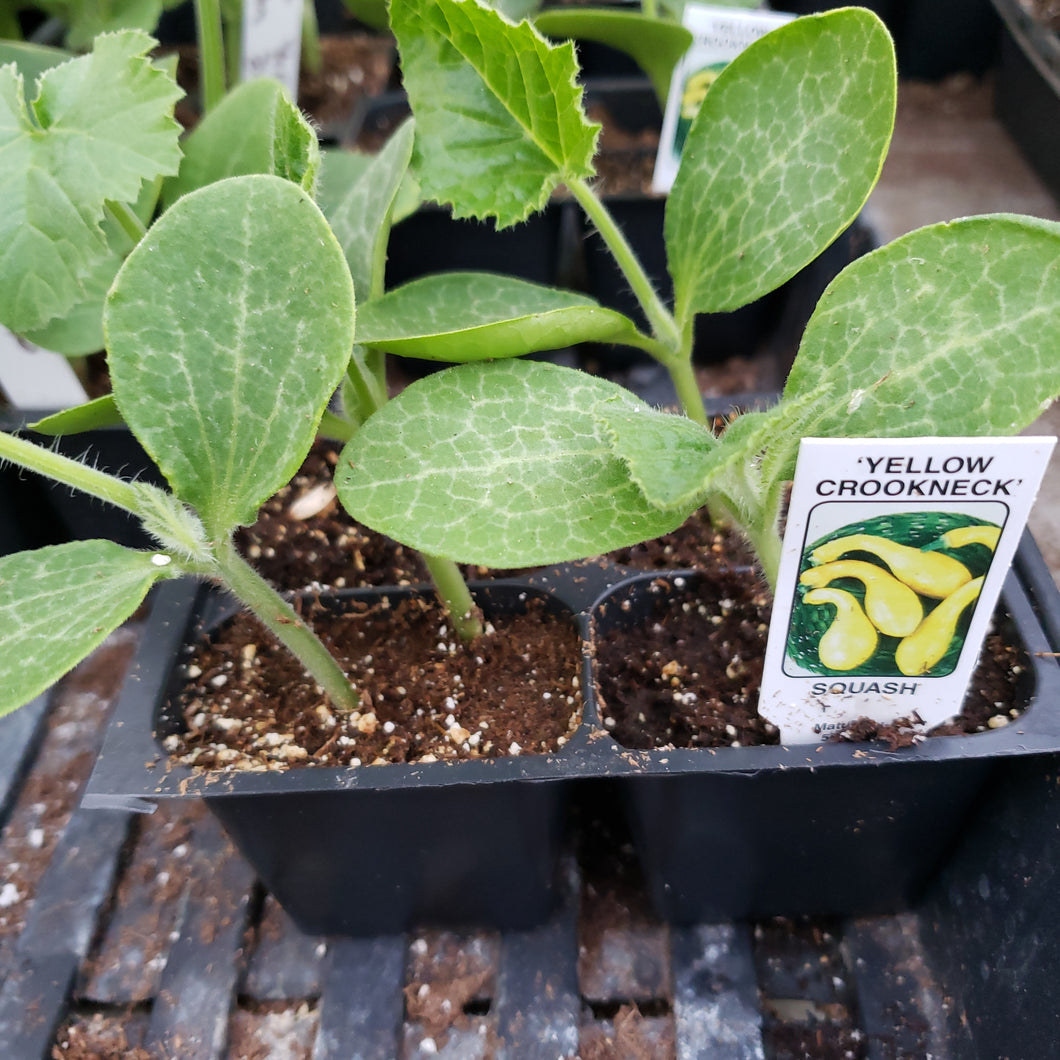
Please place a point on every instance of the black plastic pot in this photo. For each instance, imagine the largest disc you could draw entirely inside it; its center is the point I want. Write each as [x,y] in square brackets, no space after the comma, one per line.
[721,834]
[838,828]
[933,38]
[363,851]
[57,513]
[1027,93]
[25,520]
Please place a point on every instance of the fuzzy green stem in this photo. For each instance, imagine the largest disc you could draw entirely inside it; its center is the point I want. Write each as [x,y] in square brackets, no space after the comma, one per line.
[285,624]
[336,427]
[366,378]
[232,31]
[312,59]
[127,220]
[684,377]
[455,595]
[662,322]
[211,53]
[768,547]
[73,473]
[649,8]
[675,348]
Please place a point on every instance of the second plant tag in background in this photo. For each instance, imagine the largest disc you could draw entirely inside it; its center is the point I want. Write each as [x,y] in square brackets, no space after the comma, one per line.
[272,41]
[895,553]
[719,34]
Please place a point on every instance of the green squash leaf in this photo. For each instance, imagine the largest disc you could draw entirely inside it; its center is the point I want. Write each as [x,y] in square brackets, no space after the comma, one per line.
[79,331]
[31,59]
[100,126]
[787,145]
[100,412]
[357,194]
[59,603]
[667,455]
[476,316]
[949,330]
[655,45]
[370,12]
[228,329]
[499,119]
[503,464]
[85,21]
[254,129]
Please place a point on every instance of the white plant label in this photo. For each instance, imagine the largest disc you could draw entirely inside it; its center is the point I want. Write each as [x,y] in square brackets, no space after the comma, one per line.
[272,41]
[32,378]
[895,552]
[719,34]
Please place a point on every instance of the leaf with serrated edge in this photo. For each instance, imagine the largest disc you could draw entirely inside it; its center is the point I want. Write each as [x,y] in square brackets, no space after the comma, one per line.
[949,330]
[476,316]
[228,328]
[499,120]
[57,604]
[100,125]
[79,331]
[654,44]
[357,195]
[787,145]
[254,129]
[504,464]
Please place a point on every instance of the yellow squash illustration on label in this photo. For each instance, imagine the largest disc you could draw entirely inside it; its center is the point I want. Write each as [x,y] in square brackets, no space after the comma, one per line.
[890,595]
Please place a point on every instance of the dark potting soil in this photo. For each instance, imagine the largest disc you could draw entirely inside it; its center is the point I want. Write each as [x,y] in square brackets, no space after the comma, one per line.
[690,676]
[1047,12]
[304,537]
[625,160]
[352,66]
[424,695]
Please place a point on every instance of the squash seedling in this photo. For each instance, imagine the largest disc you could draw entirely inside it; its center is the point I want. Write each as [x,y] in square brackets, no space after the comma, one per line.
[223,355]
[91,153]
[946,331]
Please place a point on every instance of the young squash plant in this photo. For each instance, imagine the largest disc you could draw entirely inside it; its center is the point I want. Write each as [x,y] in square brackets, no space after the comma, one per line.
[92,157]
[946,331]
[223,354]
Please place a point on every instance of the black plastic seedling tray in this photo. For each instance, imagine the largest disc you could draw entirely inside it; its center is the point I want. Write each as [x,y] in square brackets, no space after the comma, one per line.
[184,969]
[839,829]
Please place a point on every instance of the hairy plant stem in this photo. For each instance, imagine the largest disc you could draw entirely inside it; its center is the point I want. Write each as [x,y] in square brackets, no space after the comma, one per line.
[672,353]
[69,472]
[211,53]
[312,58]
[284,623]
[217,561]
[768,546]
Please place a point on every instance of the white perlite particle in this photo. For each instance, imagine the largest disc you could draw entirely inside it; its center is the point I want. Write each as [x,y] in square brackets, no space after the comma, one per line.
[9,894]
